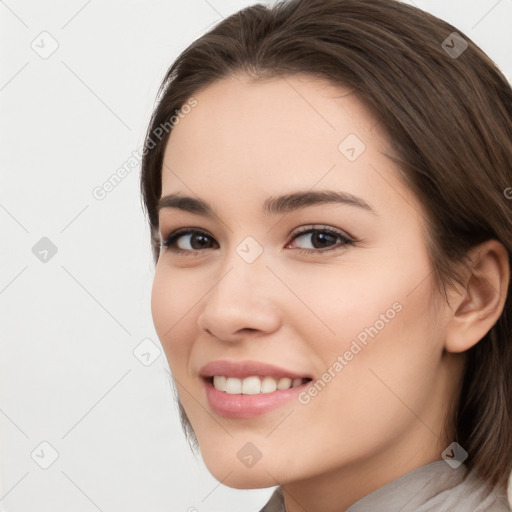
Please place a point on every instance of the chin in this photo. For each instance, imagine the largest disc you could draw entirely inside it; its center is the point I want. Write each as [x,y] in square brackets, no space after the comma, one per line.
[255,477]
[241,481]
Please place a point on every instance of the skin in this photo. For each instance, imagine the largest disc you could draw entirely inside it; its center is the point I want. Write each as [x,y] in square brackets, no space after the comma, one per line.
[385,413]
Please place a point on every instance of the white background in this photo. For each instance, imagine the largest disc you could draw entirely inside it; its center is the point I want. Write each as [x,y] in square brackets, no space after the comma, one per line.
[69,325]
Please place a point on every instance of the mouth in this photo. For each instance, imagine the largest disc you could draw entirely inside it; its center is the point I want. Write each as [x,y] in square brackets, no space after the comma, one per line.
[246,389]
[254,385]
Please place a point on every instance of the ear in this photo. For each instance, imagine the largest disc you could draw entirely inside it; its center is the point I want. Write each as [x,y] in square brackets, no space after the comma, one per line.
[478,305]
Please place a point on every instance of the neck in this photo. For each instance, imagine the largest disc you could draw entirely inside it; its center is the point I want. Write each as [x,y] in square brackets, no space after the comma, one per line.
[337,490]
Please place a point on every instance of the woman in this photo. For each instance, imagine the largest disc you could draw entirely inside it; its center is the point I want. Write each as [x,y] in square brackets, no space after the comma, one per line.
[326,185]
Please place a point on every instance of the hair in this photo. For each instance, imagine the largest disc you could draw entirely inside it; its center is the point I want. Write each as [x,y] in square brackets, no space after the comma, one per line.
[448,118]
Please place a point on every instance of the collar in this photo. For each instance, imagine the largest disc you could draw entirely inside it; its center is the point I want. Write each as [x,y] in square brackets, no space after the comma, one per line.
[430,488]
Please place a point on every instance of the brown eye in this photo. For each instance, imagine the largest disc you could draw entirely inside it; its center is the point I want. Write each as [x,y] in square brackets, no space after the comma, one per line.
[317,240]
[188,241]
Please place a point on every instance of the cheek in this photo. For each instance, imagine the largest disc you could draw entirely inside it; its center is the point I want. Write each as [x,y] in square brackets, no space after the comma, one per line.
[389,347]
[385,288]
[171,316]
[375,317]
[335,305]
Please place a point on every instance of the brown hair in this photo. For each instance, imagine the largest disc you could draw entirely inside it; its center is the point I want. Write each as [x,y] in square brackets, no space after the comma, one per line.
[449,118]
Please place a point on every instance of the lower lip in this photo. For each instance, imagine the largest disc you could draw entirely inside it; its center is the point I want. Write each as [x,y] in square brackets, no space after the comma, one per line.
[248,406]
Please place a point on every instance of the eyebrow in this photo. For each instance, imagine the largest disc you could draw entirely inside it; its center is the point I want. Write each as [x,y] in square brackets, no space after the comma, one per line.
[271,206]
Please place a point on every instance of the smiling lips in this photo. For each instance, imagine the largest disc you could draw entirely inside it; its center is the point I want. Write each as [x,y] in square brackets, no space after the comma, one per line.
[254,385]
[246,389]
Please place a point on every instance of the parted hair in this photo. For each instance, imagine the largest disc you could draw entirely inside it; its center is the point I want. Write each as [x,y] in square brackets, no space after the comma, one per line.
[447,111]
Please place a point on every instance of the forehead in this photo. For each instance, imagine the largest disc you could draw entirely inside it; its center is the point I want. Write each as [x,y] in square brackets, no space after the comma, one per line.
[282,112]
[292,131]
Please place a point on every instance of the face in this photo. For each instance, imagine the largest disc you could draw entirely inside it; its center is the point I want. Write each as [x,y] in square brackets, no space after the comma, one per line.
[300,260]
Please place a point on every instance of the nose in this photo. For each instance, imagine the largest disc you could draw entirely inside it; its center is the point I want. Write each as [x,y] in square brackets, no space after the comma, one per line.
[241,302]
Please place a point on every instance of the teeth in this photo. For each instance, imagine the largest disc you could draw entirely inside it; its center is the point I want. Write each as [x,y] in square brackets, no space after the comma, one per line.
[284,383]
[253,385]
[233,386]
[268,385]
[220,383]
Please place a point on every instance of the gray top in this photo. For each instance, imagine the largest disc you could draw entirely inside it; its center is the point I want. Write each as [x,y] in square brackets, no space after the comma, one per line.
[435,487]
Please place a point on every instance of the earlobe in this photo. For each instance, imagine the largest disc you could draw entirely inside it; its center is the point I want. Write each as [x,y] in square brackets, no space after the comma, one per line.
[479,304]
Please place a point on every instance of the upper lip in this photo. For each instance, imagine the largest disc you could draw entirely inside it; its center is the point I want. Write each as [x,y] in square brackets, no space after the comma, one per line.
[243,369]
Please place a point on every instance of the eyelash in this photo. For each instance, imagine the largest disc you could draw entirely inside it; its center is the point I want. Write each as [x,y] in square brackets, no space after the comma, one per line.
[174,236]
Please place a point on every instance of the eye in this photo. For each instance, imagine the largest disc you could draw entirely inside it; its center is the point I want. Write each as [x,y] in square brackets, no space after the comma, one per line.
[319,240]
[188,241]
